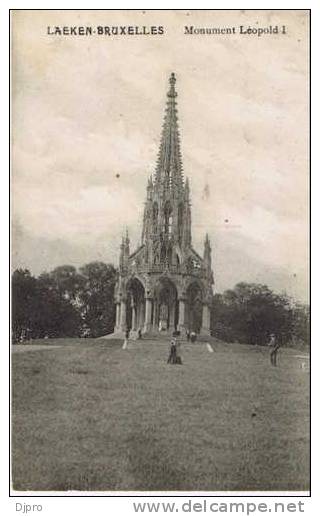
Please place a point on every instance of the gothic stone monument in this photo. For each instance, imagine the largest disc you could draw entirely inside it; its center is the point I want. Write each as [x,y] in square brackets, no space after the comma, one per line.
[164,285]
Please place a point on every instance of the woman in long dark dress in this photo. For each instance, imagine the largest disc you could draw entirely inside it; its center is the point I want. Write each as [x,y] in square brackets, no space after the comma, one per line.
[178,353]
[172,359]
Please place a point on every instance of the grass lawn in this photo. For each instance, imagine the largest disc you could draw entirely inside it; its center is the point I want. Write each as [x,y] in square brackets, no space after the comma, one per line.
[87,415]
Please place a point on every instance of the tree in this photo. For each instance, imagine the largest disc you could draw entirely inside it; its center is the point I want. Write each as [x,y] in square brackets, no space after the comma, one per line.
[301,325]
[61,303]
[54,314]
[250,312]
[221,319]
[97,297]
[23,299]
[68,282]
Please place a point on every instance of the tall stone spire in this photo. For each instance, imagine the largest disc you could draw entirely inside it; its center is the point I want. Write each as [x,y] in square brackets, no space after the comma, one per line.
[169,165]
[165,285]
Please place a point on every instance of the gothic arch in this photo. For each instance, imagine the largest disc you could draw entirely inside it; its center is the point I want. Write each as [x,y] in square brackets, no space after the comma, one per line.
[163,253]
[156,253]
[165,313]
[195,282]
[135,278]
[168,219]
[135,304]
[177,252]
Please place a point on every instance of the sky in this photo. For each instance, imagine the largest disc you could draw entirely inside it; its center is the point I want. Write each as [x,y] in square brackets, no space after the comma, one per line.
[86,123]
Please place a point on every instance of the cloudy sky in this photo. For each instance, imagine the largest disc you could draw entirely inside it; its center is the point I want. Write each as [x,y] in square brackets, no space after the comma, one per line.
[87,116]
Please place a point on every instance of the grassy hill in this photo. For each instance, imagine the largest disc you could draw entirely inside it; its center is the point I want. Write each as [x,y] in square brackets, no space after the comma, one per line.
[87,415]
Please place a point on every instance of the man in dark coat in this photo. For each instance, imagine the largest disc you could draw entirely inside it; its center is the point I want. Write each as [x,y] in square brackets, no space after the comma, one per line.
[275,345]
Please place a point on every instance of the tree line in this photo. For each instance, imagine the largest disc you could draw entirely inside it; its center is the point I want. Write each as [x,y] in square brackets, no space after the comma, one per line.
[251,312]
[67,302]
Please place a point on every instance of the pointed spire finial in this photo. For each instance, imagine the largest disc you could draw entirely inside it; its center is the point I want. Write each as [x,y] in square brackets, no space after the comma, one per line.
[169,163]
[172,92]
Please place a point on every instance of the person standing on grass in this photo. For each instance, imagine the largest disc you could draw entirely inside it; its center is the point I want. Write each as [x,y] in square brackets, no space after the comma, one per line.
[126,338]
[275,345]
[178,353]
[172,359]
[193,336]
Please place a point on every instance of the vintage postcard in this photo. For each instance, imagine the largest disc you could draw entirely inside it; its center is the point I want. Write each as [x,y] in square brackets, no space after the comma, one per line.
[160,251]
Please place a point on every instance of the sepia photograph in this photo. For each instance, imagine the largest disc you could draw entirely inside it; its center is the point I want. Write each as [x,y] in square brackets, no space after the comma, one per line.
[160,305]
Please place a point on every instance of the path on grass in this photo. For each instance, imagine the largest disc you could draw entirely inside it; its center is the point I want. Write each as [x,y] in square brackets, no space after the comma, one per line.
[20,348]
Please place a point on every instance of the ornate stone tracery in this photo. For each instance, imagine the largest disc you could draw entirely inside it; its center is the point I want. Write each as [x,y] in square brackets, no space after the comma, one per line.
[165,285]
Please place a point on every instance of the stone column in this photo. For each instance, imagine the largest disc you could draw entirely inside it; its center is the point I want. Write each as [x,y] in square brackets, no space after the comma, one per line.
[123,315]
[117,315]
[134,318]
[205,320]
[140,315]
[182,312]
[172,313]
[154,315]
[147,320]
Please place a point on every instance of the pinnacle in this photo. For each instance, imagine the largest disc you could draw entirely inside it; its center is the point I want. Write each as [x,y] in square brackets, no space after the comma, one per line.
[172,93]
[169,160]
